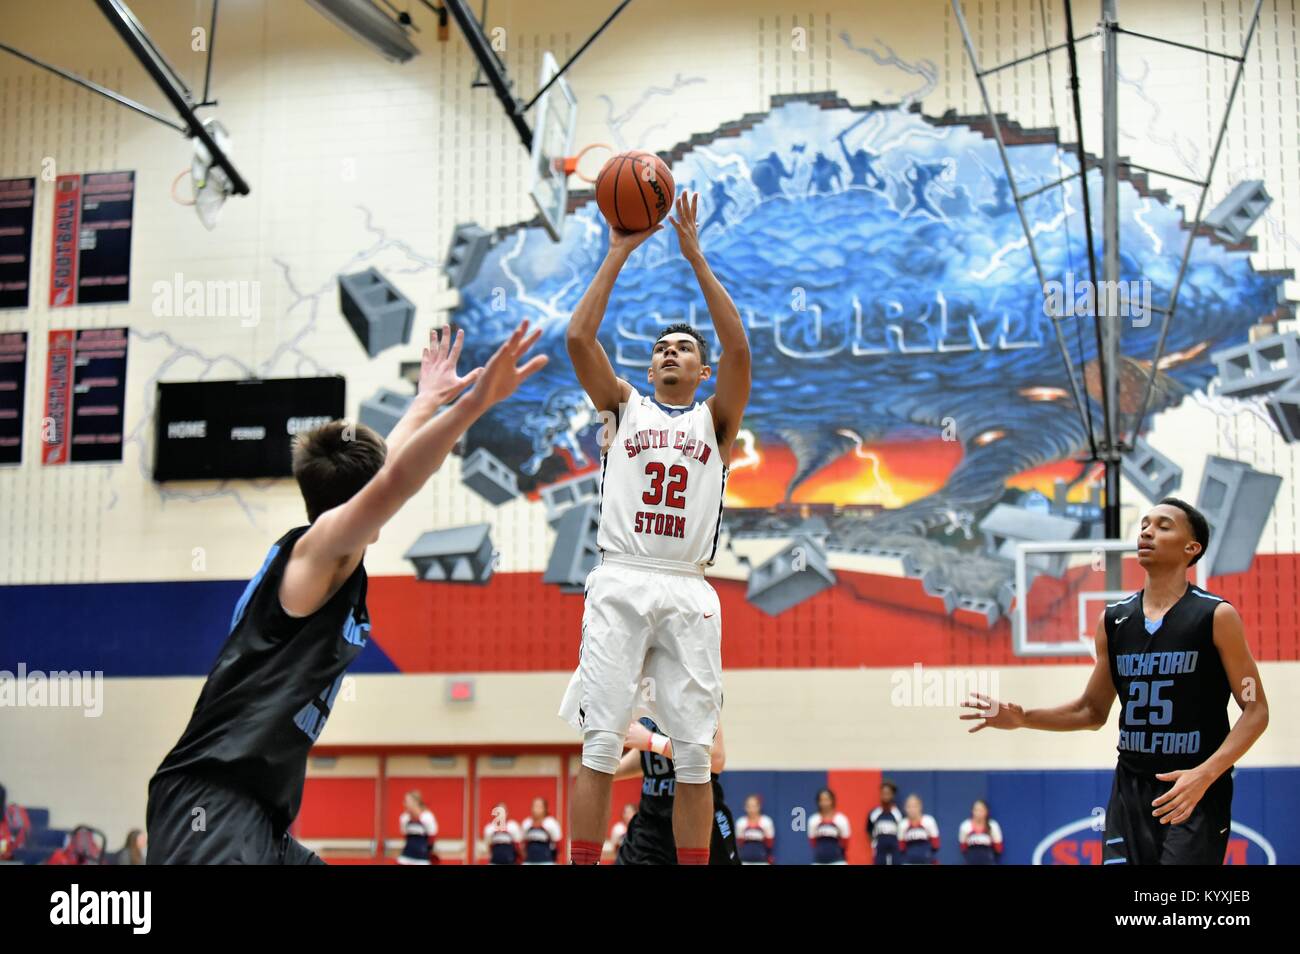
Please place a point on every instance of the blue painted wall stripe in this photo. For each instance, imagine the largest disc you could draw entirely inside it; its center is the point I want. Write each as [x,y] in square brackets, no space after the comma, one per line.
[129,629]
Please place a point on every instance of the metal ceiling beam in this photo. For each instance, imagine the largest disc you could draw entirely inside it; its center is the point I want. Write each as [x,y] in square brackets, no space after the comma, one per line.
[128,28]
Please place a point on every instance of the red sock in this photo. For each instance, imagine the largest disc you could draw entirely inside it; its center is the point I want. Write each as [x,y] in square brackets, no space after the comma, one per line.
[584,852]
[692,856]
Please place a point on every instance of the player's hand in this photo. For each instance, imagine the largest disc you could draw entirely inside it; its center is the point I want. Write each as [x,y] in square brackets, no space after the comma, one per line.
[439,382]
[638,737]
[625,243]
[1176,805]
[993,714]
[503,374]
[688,236]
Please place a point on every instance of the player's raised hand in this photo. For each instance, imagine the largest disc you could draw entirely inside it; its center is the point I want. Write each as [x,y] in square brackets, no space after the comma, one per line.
[992,714]
[503,373]
[628,242]
[688,236]
[1176,805]
[439,381]
[638,737]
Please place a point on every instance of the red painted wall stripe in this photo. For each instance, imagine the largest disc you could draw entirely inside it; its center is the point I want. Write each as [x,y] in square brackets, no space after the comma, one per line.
[516,623]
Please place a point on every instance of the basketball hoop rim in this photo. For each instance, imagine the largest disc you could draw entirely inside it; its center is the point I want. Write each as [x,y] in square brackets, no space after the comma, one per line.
[175,182]
[570,163]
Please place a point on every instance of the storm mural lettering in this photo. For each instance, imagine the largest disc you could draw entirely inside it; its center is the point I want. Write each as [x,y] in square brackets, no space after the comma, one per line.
[907,378]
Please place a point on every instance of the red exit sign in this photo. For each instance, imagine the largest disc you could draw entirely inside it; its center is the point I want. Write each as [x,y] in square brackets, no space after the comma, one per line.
[460,690]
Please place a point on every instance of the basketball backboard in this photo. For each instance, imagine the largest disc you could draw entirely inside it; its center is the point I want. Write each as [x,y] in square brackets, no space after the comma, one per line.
[557,118]
[1061,589]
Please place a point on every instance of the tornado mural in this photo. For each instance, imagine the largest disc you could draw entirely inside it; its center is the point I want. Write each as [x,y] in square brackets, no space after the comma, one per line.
[906,376]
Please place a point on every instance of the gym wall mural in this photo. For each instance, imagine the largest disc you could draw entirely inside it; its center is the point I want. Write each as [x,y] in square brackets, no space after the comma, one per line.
[910,398]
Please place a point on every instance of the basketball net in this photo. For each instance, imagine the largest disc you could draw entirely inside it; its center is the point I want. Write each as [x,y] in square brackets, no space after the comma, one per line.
[209,184]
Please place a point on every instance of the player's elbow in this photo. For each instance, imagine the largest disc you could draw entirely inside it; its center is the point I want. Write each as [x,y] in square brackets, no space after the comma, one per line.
[1260,707]
[578,340]
[737,353]
[1094,716]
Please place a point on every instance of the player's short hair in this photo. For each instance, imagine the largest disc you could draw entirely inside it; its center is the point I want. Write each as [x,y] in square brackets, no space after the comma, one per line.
[333,462]
[682,328]
[889,784]
[1200,526]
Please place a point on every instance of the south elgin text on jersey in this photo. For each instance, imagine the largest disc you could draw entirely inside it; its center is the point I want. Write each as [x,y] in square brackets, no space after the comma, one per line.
[657,522]
[662,484]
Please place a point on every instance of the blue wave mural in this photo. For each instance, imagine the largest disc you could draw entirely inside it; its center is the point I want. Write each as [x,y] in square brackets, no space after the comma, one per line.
[883,275]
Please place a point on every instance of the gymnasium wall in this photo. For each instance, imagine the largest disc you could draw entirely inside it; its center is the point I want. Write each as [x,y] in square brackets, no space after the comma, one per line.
[357,163]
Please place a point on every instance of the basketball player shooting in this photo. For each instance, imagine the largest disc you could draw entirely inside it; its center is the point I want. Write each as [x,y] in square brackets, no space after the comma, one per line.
[651,628]
[229,789]
[1173,653]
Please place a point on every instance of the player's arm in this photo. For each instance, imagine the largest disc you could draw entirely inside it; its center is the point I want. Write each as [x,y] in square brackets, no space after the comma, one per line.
[1089,711]
[335,543]
[1177,804]
[629,766]
[641,739]
[733,379]
[439,384]
[590,363]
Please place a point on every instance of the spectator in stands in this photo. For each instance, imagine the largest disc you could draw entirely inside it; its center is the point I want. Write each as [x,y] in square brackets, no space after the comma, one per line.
[83,846]
[132,851]
[883,824]
[419,828]
[980,836]
[542,835]
[755,834]
[616,835]
[502,836]
[918,837]
[828,831]
[15,827]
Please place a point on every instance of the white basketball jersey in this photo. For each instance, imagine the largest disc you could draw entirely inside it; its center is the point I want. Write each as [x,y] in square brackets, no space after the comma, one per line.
[662,484]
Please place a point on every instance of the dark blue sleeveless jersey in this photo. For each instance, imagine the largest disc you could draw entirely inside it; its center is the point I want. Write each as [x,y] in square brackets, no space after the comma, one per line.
[980,846]
[1172,688]
[882,828]
[649,839]
[266,700]
[917,842]
[538,846]
[502,849]
[659,784]
[827,847]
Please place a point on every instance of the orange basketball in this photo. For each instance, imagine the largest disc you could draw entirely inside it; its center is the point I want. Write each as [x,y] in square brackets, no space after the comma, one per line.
[635,190]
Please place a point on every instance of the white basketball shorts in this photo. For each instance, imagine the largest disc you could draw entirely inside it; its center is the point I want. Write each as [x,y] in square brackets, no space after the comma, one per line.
[651,645]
